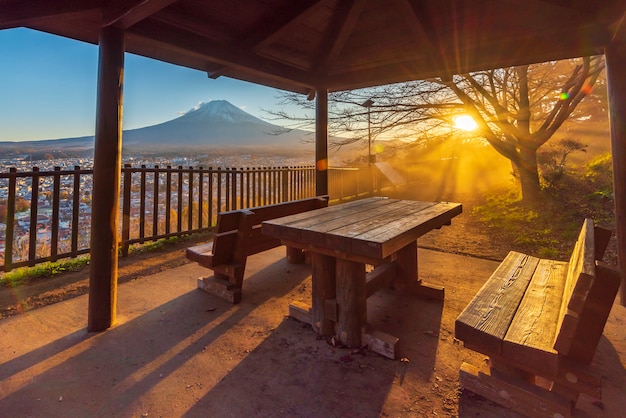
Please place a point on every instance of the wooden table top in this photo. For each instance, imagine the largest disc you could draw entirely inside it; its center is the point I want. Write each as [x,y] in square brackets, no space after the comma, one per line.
[373,228]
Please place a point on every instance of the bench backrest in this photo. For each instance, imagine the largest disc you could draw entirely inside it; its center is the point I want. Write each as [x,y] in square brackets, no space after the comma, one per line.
[589,293]
[239,231]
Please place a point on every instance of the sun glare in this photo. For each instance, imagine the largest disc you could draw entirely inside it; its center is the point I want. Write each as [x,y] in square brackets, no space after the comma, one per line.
[465,122]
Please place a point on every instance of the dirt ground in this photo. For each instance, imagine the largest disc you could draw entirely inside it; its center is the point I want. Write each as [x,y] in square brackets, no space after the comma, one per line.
[270,356]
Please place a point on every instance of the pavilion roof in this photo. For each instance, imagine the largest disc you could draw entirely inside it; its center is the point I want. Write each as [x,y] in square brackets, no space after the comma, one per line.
[301,45]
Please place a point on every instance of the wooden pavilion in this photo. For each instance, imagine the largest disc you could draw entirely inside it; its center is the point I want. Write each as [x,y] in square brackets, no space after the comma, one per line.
[313,47]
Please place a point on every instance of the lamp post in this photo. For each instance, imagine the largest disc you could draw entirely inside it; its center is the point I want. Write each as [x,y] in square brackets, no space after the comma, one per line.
[368,104]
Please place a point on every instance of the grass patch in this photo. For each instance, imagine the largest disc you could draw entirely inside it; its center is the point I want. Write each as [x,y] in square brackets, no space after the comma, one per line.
[550,229]
[24,275]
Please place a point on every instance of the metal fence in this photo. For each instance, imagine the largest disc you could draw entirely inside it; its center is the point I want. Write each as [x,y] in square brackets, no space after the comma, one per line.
[47,214]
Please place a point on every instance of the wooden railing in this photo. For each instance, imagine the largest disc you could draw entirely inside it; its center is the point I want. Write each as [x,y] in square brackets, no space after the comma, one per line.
[48,213]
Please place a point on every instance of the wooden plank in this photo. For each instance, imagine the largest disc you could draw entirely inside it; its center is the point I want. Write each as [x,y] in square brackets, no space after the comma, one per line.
[227,221]
[602,236]
[515,394]
[580,332]
[485,321]
[533,328]
[394,235]
[339,233]
[304,220]
[300,311]
[312,226]
[381,343]
[220,288]
[224,244]
[581,263]
[194,253]
[278,210]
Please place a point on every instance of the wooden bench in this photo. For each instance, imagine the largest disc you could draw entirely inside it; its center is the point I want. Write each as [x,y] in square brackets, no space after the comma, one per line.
[539,321]
[238,235]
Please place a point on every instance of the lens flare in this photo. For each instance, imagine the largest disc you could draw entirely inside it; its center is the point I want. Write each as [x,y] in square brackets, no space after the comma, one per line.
[563,96]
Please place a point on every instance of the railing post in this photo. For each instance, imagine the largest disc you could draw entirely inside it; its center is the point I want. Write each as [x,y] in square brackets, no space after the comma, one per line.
[75,210]
[142,204]
[210,196]
[233,187]
[179,220]
[127,175]
[168,199]
[32,228]
[8,249]
[56,198]
[190,201]
[284,175]
[155,202]
[200,197]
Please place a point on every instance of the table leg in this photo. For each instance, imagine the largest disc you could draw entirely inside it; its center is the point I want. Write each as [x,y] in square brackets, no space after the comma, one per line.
[323,289]
[406,266]
[351,301]
[407,277]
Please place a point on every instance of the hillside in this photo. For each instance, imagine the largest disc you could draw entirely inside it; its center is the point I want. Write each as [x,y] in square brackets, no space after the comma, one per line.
[213,125]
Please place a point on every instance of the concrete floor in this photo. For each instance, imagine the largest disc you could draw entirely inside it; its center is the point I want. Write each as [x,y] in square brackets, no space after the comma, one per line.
[177,351]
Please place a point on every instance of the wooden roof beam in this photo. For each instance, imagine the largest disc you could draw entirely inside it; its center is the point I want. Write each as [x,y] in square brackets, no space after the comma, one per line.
[341,27]
[417,31]
[269,31]
[14,14]
[126,13]
[178,40]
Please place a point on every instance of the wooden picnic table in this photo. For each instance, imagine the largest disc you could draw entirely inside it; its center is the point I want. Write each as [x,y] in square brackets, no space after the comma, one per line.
[342,241]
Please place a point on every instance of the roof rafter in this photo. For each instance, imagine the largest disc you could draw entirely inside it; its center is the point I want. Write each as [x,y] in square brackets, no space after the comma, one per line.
[126,13]
[417,31]
[176,39]
[341,27]
[267,32]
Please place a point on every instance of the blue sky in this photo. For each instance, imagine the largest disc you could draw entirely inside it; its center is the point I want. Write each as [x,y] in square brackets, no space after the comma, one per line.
[48,88]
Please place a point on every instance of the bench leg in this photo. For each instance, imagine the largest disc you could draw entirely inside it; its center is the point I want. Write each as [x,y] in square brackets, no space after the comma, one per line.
[220,287]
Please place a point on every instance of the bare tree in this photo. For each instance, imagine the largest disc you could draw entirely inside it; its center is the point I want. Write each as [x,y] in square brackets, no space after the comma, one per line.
[517,109]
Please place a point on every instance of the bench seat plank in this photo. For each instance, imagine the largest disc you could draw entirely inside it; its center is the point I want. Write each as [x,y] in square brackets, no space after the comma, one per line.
[533,329]
[485,321]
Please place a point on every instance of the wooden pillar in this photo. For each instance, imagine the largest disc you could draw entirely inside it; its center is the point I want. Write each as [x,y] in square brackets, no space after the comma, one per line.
[616,85]
[106,181]
[321,142]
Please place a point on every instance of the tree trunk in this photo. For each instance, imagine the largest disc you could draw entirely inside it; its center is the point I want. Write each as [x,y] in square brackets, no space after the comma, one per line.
[529,175]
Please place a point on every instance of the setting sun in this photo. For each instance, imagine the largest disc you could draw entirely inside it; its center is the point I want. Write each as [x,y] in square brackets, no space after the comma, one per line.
[465,122]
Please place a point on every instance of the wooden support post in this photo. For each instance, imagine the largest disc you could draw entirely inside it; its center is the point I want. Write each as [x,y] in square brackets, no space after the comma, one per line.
[321,142]
[323,288]
[106,181]
[615,69]
[351,298]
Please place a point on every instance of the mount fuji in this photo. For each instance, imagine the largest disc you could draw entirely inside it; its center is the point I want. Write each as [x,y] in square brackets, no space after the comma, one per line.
[211,126]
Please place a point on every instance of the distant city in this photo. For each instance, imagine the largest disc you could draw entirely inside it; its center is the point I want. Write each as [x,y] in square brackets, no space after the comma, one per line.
[23,163]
